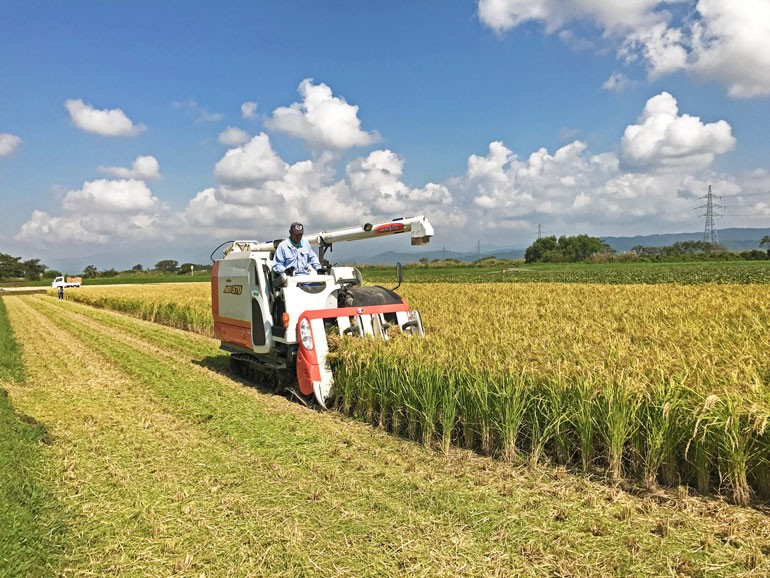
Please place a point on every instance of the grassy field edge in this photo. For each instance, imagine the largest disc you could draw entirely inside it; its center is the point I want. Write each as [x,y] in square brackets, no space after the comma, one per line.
[30,511]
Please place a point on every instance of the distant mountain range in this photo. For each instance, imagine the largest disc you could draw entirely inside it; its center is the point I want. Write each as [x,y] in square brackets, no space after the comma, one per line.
[734,239]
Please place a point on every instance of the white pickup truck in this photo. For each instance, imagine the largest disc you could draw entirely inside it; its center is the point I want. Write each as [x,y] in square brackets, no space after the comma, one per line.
[66,282]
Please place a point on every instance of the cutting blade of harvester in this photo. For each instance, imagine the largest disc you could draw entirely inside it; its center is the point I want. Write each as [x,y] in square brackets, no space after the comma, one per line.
[313,373]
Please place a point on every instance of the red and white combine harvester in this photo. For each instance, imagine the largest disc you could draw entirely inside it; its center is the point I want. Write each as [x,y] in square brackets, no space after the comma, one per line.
[275,328]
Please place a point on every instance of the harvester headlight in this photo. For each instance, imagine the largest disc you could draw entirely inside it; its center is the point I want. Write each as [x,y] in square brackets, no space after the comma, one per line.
[305,334]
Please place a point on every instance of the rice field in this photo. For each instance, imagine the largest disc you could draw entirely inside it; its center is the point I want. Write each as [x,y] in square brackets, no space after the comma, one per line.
[664,384]
[182,305]
[128,449]
[660,384]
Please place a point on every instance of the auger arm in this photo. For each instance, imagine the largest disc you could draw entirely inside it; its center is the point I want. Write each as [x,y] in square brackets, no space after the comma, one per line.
[420,228]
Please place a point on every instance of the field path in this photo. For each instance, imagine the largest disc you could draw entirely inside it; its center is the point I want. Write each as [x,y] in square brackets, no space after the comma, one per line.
[166,465]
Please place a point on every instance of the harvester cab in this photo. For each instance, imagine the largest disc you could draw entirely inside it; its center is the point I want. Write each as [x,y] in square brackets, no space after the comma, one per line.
[275,328]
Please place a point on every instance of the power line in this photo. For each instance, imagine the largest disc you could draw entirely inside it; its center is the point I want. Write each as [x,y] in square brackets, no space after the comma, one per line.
[745,195]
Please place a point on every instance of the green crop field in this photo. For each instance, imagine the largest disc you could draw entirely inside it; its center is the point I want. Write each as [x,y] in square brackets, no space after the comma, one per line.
[493,271]
[685,273]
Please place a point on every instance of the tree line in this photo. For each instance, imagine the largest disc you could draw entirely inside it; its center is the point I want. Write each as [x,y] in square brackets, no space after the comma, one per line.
[565,249]
[583,248]
[15,269]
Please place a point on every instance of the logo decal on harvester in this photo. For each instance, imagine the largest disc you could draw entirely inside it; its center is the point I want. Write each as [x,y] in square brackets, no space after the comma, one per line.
[389,228]
[233,289]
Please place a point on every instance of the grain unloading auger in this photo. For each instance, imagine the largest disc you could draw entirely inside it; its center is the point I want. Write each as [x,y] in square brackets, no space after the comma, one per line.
[275,328]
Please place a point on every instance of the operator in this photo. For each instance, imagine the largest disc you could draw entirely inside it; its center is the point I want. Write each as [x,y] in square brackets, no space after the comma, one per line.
[295,256]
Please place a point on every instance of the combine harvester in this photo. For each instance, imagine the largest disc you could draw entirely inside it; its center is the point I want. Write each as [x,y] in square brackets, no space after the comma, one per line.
[275,327]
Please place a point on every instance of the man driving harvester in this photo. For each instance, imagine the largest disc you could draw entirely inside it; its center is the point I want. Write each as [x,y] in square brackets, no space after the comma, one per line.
[275,327]
[295,256]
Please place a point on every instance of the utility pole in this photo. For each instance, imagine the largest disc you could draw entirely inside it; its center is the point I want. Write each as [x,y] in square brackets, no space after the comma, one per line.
[710,231]
[478,250]
[539,231]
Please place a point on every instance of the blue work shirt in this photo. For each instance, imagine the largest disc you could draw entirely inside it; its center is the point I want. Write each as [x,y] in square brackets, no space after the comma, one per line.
[302,258]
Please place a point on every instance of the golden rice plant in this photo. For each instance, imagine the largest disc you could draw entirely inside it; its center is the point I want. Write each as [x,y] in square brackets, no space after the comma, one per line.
[183,305]
[612,377]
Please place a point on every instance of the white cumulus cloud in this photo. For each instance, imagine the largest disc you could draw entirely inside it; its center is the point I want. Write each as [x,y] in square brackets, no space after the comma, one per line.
[145,168]
[376,182]
[664,140]
[730,43]
[249,110]
[101,228]
[655,181]
[233,137]
[503,15]
[651,178]
[119,196]
[720,40]
[570,190]
[43,227]
[259,204]
[325,121]
[211,208]
[617,82]
[103,212]
[8,143]
[110,122]
[251,163]
[372,188]
[661,47]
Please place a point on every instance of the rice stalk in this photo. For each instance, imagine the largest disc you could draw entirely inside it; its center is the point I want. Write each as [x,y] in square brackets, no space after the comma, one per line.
[662,432]
[448,411]
[466,404]
[509,405]
[617,406]
[547,416]
[741,423]
[701,445]
[584,420]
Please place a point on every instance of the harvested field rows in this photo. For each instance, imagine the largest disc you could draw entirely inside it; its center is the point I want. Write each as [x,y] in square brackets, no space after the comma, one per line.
[164,465]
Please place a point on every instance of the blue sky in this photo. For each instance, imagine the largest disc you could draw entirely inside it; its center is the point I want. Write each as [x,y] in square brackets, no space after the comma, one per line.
[136,131]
